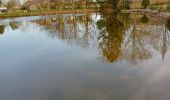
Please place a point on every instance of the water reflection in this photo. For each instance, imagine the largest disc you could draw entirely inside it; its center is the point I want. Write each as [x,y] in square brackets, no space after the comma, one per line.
[117,37]
[15,25]
[75,30]
[168,25]
[91,56]
[110,36]
[2,29]
[144,19]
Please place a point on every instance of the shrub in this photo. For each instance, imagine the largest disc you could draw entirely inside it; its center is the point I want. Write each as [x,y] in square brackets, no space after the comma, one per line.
[168,7]
[145,3]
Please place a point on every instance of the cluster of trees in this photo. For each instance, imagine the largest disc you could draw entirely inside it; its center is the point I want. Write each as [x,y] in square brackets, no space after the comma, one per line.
[51,4]
[12,4]
[75,4]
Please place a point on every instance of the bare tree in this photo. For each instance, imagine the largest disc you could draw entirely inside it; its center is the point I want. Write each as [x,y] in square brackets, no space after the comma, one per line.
[11,5]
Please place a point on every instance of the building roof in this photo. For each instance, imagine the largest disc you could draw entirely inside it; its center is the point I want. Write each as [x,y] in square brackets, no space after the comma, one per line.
[29,3]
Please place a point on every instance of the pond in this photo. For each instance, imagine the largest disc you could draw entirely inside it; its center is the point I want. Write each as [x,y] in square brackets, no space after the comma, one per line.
[85,57]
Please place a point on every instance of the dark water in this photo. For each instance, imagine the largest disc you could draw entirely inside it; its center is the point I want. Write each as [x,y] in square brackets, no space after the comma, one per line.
[85,57]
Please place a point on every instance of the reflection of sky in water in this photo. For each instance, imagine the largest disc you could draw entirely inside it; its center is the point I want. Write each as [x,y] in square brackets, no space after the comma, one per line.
[34,66]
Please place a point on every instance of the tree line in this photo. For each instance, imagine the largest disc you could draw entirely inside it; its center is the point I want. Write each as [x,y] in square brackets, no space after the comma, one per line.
[74,4]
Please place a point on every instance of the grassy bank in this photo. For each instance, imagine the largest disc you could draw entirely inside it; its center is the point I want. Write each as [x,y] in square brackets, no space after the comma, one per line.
[24,13]
[164,7]
[20,14]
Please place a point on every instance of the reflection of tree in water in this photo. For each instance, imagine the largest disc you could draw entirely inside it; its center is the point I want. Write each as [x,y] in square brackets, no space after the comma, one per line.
[15,25]
[135,46]
[2,29]
[144,19]
[111,36]
[142,38]
[168,24]
[118,39]
[165,39]
[75,30]
[155,35]
[161,40]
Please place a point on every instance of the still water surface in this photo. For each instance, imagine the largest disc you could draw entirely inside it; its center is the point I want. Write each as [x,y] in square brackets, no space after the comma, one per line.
[85,57]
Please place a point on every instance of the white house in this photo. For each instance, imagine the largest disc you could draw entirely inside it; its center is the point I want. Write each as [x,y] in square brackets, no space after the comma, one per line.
[3,9]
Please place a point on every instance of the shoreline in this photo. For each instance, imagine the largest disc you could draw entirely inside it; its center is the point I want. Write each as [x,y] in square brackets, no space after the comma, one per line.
[40,13]
[152,13]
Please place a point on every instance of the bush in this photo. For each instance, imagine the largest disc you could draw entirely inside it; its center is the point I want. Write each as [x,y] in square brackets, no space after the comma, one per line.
[168,7]
[145,3]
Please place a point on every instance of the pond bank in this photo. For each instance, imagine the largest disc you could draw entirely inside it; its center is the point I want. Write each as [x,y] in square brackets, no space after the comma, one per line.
[153,13]
[52,12]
